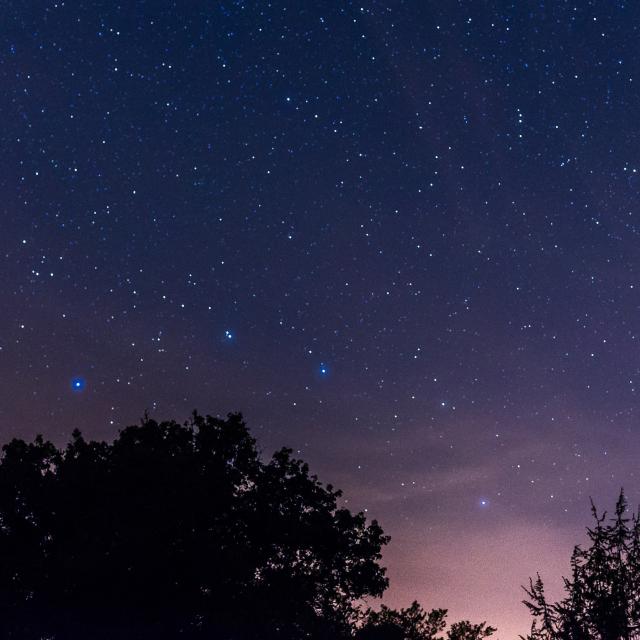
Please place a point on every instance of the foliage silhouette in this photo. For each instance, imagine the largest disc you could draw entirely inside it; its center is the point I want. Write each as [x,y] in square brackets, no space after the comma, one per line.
[602,599]
[183,531]
[177,531]
[414,623]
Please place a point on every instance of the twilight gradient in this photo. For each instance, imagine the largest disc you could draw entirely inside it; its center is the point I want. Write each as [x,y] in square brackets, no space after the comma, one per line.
[402,237]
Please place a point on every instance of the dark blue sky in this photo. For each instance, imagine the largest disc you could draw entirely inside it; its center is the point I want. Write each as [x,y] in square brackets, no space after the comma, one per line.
[400,237]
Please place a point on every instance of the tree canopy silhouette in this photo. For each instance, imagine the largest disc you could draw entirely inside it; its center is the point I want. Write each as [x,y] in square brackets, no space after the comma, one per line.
[177,530]
[414,623]
[183,531]
[602,599]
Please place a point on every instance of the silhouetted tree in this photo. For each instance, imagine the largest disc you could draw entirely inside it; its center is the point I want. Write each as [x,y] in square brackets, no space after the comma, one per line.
[464,630]
[602,599]
[177,531]
[414,623]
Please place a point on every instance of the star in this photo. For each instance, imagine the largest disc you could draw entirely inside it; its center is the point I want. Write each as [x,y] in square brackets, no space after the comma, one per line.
[78,384]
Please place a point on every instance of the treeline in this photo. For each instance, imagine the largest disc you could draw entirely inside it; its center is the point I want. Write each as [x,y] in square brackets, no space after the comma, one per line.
[183,531]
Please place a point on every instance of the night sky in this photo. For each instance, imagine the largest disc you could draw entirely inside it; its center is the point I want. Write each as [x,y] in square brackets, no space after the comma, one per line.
[403,238]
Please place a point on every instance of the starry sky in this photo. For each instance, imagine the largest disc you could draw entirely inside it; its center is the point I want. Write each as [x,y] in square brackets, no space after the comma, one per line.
[401,237]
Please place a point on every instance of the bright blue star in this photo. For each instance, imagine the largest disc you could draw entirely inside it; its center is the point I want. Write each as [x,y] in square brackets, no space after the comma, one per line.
[78,384]
[228,335]
[324,370]
[484,502]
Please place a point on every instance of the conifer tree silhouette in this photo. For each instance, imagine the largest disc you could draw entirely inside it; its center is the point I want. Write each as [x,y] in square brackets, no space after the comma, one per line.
[602,600]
